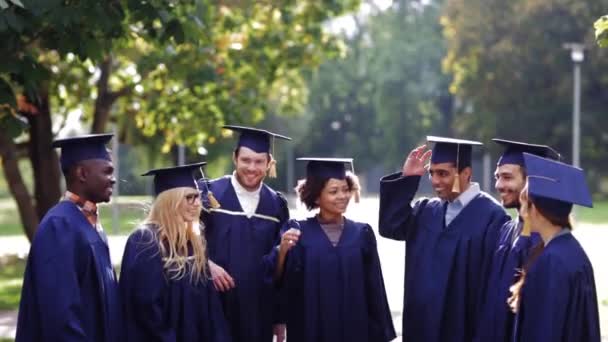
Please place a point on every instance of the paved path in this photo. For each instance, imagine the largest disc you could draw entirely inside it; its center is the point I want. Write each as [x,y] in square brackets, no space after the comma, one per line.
[594,239]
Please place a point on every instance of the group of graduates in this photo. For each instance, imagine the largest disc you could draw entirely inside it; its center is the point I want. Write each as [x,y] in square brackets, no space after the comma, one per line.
[220,260]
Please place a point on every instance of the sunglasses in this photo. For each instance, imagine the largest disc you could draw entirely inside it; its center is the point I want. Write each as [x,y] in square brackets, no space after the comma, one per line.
[191,198]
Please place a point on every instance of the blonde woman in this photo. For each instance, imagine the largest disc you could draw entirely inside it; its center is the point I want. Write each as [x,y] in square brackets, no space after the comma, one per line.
[164,276]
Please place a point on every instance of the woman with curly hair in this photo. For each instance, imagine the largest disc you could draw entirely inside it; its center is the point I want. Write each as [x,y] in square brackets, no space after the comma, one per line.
[554,298]
[327,266]
[164,281]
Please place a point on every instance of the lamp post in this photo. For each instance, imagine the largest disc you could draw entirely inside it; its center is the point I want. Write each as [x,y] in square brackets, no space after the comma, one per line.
[577,54]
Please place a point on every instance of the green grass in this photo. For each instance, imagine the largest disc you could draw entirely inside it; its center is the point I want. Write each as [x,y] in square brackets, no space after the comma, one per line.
[11,274]
[132,210]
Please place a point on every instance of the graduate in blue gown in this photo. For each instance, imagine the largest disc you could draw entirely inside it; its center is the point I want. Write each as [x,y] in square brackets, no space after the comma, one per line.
[69,289]
[555,299]
[328,266]
[450,240]
[514,243]
[241,230]
[164,282]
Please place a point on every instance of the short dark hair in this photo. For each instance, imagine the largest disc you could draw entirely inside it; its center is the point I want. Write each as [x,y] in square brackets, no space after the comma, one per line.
[238,149]
[310,188]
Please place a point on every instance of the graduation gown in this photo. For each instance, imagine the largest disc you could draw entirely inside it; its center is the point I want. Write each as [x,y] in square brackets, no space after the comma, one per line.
[497,320]
[241,245]
[157,308]
[446,266]
[559,301]
[335,294]
[69,289]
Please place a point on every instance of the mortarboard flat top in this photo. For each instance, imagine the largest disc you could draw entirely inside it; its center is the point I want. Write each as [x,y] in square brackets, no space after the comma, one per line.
[84,147]
[174,177]
[258,140]
[556,181]
[513,153]
[450,150]
[326,167]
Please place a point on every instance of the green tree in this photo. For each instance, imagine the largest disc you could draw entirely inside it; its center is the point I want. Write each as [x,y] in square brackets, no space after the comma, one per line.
[513,79]
[177,69]
[386,94]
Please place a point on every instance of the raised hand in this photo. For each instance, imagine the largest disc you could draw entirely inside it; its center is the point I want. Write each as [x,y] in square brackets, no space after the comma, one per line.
[416,163]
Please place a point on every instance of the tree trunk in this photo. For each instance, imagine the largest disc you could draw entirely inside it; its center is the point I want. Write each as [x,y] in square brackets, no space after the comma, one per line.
[105,97]
[25,206]
[102,102]
[45,163]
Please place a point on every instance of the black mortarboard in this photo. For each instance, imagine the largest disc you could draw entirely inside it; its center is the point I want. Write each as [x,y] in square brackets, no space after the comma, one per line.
[174,177]
[84,147]
[327,167]
[449,150]
[256,139]
[513,153]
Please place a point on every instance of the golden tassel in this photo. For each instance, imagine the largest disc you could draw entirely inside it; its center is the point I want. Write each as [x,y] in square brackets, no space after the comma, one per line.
[272,172]
[526,229]
[357,195]
[212,200]
[456,187]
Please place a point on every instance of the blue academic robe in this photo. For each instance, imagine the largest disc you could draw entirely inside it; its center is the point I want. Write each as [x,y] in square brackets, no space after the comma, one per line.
[157,308]
[335,294]
[69,289]
[241,245]
[559,301]
[497,320]
[446,266]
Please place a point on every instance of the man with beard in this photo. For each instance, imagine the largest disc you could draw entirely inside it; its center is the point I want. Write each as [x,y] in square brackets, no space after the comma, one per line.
[514,243]
[450,240]
[69,290]
[241,231]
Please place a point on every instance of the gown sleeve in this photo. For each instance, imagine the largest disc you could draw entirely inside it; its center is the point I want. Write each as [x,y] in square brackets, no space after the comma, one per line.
[398,218]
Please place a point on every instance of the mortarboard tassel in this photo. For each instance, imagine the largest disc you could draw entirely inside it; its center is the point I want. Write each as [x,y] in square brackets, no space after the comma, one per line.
[356,185]
[212,200]
[357,195]
[526,229]
[456,186]
[272,172]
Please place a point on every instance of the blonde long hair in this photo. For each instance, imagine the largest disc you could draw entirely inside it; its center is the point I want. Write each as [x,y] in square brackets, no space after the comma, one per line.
[173,240]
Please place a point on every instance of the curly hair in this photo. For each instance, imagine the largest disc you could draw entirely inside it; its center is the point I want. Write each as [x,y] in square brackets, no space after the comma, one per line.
[309,189]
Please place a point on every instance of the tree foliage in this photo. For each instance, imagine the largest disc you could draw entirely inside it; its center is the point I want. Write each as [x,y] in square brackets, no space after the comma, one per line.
[513,78]
[387,94]
[170,70]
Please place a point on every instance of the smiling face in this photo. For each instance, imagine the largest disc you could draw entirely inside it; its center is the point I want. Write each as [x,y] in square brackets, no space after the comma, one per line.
[510,182]
[250,167]
[442,176]
[334,197]
[97,178]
